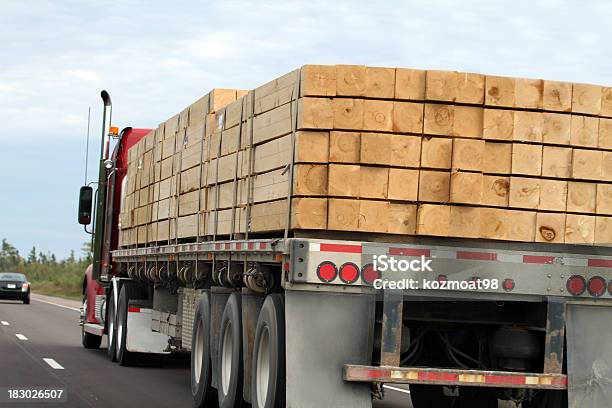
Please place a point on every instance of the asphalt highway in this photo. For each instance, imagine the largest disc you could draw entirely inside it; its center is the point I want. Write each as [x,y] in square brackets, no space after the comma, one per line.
[40,348]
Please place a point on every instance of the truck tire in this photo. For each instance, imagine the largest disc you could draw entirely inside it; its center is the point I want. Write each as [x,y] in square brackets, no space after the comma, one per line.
[89,340]
[229,383]
[111,318]
[268,376]
[129,291]
[201,368]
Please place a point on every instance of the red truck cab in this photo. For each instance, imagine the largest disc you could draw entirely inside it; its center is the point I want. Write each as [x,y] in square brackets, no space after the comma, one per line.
[115,191]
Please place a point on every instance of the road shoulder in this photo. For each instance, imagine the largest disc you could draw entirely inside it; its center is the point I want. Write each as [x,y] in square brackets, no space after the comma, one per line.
[57,301]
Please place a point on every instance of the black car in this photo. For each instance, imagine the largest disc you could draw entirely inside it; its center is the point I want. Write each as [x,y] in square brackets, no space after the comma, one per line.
[14,286]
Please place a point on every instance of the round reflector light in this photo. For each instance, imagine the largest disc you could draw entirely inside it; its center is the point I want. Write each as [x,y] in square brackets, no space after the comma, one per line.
[327,271]
[576,285]
[508,284]
[349,272]
[596,286]
[369,274]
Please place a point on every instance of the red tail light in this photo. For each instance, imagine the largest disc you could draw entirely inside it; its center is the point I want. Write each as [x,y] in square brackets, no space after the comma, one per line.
[508,284]
[369,274]
[596,286]
[327,271]
[576,285]
[349,272]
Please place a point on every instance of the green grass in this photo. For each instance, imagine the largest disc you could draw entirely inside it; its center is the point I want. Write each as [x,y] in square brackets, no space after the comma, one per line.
[53,289]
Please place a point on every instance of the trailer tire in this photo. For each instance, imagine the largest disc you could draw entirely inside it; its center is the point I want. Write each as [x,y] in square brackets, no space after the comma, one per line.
[201,368]
[111,318]
[268,376]
[229,383]
[128,292]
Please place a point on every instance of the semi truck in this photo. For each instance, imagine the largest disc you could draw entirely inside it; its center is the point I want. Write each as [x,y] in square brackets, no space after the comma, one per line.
[324,320]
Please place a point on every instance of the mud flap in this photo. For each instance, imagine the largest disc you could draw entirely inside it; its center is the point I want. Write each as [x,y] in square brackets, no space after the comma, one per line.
[140,338]
[324,331]
[589,355]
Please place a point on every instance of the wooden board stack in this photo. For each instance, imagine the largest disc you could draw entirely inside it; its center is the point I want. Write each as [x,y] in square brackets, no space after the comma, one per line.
[380,150]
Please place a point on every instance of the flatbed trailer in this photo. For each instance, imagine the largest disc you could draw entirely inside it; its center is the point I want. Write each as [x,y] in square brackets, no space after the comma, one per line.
[552,285]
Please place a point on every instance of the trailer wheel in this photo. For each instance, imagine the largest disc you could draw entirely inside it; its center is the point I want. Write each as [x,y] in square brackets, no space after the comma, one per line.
[201,368]
[268,376]
[229,383]
[89,340]
[128,292]
[111,318]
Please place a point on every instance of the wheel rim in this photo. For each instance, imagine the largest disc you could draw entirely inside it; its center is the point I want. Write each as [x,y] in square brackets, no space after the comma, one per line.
[263,367]
[198,352]
[111,327]
[227,357]
[119,337]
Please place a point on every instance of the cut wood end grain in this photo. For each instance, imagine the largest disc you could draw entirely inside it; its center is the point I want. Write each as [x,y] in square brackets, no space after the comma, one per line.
[344,147]
[410,84]
[550,227]
[433,220]
[436,153]
[318,80]
[465,222]
[603,231]
[586,98]
[579,229]
[466,188]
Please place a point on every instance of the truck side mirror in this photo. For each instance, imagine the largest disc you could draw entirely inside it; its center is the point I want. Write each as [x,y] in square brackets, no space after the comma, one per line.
[85,204]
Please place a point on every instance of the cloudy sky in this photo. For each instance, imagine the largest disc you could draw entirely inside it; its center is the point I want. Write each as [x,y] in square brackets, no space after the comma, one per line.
[156,57]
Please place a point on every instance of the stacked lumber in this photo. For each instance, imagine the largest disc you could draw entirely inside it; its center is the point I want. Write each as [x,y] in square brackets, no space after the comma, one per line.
[380,150]
[163,176]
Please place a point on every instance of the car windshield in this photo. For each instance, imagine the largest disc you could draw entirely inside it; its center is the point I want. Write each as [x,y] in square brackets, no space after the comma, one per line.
[12,277]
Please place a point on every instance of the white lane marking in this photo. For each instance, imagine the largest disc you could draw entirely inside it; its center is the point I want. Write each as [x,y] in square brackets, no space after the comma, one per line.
[57,304]
[54,364]
[21,336]
[5,323]
[396,389]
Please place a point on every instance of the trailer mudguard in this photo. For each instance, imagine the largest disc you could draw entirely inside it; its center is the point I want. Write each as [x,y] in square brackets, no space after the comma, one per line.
[589,355]
[324,331]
